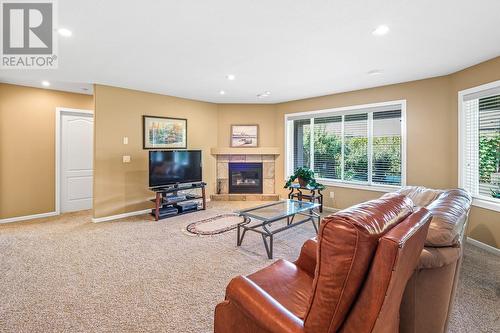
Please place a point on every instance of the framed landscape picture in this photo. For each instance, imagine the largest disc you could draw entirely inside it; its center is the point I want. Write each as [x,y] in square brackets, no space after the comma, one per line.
[244,135]
[164,133]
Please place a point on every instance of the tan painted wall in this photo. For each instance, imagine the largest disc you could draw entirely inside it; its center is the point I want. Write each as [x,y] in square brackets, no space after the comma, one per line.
[27,147]
[431,138]
[432,141]
[243,114]
[484,224]
[119,187]
[428,132]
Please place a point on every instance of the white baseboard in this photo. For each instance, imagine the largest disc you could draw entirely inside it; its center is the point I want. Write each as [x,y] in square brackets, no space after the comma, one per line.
[483,246]
[120,216]
[28,217]
[330,209]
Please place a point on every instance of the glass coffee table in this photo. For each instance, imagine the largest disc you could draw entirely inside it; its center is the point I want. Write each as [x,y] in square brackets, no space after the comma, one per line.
[258,219]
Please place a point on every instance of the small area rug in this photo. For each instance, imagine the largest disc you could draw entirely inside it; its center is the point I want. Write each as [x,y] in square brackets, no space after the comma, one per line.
[215,225]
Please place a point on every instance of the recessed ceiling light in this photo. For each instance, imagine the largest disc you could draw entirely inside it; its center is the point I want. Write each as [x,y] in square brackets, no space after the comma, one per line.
[375,72]
[45,83]
[264,94]
[64,32]
[222,92]
[380,30]
[230,77]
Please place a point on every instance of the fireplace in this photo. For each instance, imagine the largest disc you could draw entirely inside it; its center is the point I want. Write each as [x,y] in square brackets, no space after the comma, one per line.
[245,178]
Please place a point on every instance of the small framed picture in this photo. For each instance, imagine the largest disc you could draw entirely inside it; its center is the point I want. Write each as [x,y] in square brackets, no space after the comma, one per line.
[164,132]
[244,136]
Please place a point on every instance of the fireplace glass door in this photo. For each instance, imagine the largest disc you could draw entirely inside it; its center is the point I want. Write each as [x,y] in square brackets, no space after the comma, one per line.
[245,177]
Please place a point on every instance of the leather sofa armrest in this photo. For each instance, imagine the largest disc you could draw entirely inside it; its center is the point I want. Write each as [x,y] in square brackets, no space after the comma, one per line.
[262,307]
[307,258]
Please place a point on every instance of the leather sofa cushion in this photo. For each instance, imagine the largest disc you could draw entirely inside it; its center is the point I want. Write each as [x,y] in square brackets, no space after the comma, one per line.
[287,284]
[346,245]
[449,209]
[449,214]
[377,306]
[420,196]
[434,257]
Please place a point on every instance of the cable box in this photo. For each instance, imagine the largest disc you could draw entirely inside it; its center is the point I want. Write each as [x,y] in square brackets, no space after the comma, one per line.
[167,211]
[186,206]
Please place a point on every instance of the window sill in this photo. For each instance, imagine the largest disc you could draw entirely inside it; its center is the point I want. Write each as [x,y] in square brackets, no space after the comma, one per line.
[486,204]
[375,188]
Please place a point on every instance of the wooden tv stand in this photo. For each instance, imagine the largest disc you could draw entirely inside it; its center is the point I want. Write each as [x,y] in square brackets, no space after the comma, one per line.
[165,206]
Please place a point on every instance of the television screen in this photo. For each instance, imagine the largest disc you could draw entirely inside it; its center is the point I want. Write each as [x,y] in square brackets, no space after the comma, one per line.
[172,167]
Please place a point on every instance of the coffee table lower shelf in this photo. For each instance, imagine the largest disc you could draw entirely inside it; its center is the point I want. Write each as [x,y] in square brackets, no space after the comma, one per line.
[306,210]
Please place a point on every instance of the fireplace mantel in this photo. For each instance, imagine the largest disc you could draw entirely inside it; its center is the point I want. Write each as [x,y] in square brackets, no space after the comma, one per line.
[245,151]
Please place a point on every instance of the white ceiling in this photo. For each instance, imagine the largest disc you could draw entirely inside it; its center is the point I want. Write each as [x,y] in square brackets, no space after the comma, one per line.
[294,49]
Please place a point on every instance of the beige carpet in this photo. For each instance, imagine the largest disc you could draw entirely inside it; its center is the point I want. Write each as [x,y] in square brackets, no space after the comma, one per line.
[67,274]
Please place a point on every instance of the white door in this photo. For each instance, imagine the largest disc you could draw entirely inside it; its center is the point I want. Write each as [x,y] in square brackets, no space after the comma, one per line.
[76,161]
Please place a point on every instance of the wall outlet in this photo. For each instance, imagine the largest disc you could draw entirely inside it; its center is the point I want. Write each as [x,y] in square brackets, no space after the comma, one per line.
[332,195]
[126,159]
[125,140]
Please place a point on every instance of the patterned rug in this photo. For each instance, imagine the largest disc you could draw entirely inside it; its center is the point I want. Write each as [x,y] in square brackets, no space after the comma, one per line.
[215,225]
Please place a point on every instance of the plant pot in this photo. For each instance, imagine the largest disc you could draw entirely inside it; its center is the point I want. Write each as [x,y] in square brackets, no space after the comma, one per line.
[302,182]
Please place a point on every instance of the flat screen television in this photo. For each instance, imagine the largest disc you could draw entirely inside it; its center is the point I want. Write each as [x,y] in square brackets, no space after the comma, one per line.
[174,166]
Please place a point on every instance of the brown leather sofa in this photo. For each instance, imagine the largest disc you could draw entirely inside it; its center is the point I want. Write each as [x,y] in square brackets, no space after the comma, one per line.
[429,294]
[350,280]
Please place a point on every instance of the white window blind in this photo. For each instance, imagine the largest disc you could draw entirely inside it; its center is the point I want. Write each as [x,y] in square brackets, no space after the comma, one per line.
[302,142]
[356,147]
[481,144]
[359,146]
[387,147]
[328,147]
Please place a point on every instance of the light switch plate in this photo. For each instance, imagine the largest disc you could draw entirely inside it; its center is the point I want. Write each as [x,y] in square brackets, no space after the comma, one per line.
[126,159]
[125,140]
[332,194]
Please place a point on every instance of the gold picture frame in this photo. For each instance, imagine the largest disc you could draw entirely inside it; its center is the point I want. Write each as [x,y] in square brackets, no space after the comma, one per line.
[245,136]
[164,132]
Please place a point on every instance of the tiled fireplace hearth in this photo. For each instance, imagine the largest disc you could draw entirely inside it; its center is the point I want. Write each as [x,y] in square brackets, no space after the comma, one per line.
[245,177]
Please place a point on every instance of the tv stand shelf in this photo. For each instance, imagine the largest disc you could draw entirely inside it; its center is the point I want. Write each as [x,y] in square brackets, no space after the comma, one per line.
[164,201]
[164,207]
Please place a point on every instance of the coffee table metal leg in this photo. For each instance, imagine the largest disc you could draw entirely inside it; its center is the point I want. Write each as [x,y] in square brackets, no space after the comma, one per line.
[240,235]
[269,247]
[320,201]
[314,216]
[315,225]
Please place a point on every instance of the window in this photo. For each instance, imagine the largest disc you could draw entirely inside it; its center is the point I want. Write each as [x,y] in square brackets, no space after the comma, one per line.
[480,142]
[356,145]
[302,136]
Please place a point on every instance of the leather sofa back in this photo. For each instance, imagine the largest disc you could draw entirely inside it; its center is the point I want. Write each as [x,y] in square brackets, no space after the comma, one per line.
[346,245]
[449,209]
[377,307]
[449,215]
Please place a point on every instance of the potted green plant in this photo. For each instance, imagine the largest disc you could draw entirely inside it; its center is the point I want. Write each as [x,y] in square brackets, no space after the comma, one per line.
[304,176]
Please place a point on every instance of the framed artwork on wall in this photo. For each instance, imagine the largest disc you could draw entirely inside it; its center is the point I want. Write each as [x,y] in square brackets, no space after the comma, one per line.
[244,136]
[164,132]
